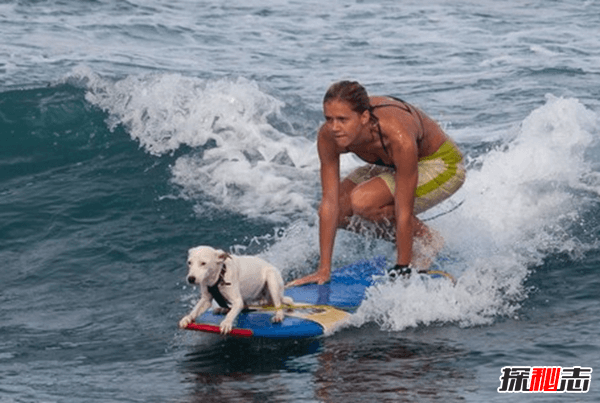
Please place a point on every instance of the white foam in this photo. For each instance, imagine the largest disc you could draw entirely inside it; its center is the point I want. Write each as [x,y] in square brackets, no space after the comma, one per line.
[251,168]
[526,185]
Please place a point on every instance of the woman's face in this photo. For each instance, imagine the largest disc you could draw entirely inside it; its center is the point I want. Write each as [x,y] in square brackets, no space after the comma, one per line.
[343,124]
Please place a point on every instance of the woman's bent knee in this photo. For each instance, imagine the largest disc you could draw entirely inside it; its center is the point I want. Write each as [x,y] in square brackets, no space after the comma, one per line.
[370,200]
[363,205]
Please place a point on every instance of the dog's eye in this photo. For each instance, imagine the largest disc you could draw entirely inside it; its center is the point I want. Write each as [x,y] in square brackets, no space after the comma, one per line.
[202,263]
[189,262]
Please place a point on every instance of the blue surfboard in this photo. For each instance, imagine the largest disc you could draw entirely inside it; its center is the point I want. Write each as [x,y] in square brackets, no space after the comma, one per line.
[318,309]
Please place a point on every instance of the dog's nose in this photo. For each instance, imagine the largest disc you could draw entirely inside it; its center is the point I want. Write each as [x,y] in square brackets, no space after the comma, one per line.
[191,279]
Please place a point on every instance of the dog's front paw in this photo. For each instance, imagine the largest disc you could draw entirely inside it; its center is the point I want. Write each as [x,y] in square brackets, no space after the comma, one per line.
[226,327]
[185,321]
[278,317]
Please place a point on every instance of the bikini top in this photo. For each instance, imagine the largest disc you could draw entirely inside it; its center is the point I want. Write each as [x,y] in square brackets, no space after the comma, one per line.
[408,108]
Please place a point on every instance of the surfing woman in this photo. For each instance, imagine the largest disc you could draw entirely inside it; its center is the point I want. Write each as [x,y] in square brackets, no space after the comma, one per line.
[412,165]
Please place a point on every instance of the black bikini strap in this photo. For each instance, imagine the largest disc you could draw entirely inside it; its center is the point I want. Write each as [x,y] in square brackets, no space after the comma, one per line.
[408,108]
[381,138]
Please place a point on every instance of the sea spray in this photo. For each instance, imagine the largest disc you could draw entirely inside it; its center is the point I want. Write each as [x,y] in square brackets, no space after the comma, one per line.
[227,153]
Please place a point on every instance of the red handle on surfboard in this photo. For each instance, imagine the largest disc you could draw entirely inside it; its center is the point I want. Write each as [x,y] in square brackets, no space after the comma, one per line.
[216,329]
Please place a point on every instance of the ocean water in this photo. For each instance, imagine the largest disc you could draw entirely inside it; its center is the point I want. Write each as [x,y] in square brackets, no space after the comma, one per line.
[133,130]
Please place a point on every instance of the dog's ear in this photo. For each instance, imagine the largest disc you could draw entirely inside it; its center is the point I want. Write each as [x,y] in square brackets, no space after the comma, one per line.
[223,256]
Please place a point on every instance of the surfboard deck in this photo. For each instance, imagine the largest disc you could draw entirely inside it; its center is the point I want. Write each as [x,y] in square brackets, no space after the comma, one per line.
[318,309]
[300,321]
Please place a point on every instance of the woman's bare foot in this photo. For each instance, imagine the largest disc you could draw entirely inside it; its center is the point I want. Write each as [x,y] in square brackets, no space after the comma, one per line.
[318,277]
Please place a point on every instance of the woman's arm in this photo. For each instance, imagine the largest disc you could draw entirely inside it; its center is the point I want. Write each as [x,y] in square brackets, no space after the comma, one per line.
[405,160]
[329,210]
[400,131]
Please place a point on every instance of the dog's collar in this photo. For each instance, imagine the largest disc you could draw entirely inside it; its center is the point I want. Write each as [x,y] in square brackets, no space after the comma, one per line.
[216,293]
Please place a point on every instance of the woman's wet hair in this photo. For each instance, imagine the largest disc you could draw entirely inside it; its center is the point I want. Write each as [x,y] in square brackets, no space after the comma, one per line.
[353,93]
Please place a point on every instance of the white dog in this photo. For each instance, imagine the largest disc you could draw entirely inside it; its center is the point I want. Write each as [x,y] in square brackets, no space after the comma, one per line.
[234,282]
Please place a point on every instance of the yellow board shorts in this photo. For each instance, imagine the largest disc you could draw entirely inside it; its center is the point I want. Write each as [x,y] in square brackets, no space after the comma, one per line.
[441,174]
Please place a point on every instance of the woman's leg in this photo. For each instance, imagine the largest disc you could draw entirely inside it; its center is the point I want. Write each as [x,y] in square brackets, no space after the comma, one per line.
[426,244]
[373,201]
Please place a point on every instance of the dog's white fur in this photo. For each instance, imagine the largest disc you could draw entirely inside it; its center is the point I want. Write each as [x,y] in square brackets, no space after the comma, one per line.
[247,280]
